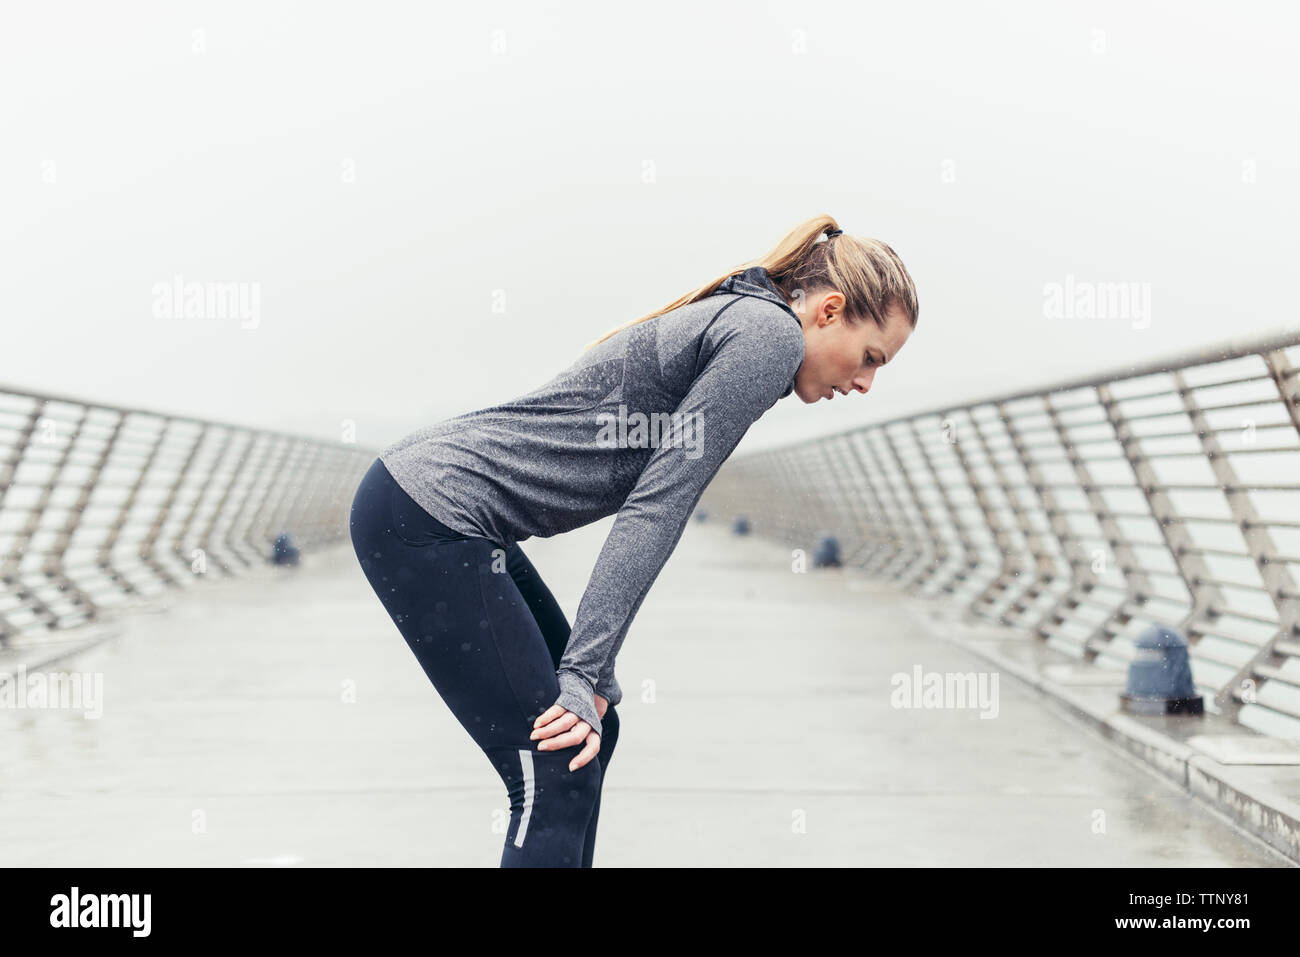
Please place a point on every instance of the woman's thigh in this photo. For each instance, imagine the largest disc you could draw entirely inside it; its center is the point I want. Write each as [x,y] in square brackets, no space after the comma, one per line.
[462,615]
[555,630]
[546,610]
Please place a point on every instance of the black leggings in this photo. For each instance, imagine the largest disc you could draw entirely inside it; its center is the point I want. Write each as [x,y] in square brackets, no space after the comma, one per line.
[489,635]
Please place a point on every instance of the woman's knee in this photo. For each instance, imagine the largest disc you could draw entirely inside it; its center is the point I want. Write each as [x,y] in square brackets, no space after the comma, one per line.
[560,802]
[581,785]
[541,777]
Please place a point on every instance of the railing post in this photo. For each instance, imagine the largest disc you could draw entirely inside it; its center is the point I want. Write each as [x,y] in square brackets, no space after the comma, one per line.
[850,528]
[235,542]
[206,536]
[785,492]
[303,496]
[55,564]
[991,518]
[962,538]
[866,518]
[104,554]
[257,535]
[881,536]
[336,501]
[909,562]
[798,532]
[1189,563]
[1082,578]
[1137,585]
[148,549]
[1014,565]
[11,570]
[1259,544]
[178,545]
[319,494]
[331,520]
[52,564]
[291,495]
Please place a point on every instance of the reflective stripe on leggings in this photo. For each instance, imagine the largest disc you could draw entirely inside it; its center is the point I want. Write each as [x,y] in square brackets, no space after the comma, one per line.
[526,766]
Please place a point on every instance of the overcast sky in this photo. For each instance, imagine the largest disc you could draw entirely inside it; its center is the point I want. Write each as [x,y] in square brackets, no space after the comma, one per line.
[431,207]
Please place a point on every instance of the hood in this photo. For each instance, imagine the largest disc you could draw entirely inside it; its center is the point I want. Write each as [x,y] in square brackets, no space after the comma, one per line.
[755,282]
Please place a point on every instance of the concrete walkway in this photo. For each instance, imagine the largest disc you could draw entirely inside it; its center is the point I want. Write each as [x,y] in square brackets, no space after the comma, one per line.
[279,719]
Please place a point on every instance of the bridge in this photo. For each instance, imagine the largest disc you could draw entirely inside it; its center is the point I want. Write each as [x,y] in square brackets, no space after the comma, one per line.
[947,694]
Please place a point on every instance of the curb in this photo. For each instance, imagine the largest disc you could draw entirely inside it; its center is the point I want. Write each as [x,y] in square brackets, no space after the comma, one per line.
[1261,811]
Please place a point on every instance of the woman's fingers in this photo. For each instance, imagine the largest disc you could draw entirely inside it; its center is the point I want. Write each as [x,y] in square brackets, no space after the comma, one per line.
[587,753]
[549,715]
[566,731]
[565,721]
[567,739]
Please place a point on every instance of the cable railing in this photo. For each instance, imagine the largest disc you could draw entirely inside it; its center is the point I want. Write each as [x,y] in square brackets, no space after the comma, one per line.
[1083,513]
[102,505]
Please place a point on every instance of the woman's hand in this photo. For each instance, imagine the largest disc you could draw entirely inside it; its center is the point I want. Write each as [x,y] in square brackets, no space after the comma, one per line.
[561,728]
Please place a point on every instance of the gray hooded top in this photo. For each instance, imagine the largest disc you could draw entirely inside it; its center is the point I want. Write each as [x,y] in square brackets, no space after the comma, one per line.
[638,425]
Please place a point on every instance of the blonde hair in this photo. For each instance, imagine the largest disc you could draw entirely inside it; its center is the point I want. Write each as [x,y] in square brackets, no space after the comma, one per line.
[866,271]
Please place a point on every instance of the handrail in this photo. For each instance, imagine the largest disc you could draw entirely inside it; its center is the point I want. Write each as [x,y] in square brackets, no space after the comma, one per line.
[1081,511]
[102,504]
[1232,348]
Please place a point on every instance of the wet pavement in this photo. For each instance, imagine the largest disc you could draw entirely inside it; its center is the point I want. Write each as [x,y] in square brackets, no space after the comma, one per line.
[279,719]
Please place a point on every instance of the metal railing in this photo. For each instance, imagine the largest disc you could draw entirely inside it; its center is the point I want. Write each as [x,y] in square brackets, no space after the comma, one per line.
[1164,494]
[101,505]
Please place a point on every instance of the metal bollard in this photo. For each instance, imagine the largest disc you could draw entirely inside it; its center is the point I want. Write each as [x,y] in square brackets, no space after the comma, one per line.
[1160,676]
[827,552]
[284,552]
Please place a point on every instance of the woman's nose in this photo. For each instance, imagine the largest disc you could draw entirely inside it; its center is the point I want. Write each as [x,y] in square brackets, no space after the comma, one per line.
[863,382]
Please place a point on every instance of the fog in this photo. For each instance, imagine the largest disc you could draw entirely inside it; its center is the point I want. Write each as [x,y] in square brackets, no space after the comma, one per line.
[433,208]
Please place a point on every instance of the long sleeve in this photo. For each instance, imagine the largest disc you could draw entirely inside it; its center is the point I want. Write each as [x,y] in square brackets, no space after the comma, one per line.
[752,356]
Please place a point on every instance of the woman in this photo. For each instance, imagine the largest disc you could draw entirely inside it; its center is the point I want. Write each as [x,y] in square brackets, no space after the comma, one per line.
[638,425]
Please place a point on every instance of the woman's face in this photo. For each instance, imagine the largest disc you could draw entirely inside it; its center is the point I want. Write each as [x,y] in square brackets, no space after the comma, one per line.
[840,356]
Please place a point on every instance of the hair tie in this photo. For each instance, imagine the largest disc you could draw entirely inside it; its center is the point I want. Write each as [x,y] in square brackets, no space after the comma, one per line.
[832,233]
